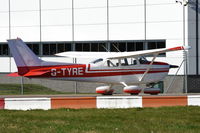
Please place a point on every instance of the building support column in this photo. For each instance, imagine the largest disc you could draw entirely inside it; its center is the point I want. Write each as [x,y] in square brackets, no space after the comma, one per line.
[145,24]
[197,37]
[9,15]
[40,25]
[108,30]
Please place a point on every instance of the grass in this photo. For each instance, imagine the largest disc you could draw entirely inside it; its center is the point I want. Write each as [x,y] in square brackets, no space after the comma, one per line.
[15,89]
[139,120]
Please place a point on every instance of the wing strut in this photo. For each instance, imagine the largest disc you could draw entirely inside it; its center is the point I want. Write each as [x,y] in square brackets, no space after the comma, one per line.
[149,67]
[123,83]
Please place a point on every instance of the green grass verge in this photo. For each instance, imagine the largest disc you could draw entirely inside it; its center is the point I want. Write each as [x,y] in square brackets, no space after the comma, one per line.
[15,89]
[139,120]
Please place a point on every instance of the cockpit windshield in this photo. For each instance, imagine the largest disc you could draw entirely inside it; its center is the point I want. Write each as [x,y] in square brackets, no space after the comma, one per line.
[123,62]
[97,61]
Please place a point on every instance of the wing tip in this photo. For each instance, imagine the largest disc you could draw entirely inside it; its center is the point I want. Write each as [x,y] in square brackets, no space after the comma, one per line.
[187,47]
[180,48]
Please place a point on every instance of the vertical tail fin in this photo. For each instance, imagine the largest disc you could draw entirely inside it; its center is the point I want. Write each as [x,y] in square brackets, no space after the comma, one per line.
[23,56]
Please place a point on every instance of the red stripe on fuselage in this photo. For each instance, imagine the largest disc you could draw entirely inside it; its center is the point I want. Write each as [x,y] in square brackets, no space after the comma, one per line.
[75,70]
[103,70]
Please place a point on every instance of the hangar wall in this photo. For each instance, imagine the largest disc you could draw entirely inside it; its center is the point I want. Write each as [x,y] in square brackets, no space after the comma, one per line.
[88,20]
[51,20]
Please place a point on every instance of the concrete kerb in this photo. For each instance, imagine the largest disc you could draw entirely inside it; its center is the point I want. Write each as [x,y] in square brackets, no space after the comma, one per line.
[46,103]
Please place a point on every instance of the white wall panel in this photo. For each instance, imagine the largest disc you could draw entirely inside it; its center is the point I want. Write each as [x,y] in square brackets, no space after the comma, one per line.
[161,12]
[159,30]
[90,23]
[56,4]
[27,103]
[26,33]
[90,32]
[126,22]
[4,19]
[13,65]
[193,100]
[28,18]
[4,5]
[5,64]
[131,14]
[56,20]
[90,16]
[125,2]
[4,34]
[127,31]
[89,3]
[158,2]
[4,31]
[160,18]
[25,25]
[25,19]
[56,33]
[22,5]
[119,101]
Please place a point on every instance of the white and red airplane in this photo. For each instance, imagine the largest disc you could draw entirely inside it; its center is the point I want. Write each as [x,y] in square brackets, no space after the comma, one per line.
[130,69]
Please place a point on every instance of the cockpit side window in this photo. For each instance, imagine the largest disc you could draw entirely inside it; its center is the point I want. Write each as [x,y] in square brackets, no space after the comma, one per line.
[97,61]
[143,60]
[125,62]
[134,62]
[110,64]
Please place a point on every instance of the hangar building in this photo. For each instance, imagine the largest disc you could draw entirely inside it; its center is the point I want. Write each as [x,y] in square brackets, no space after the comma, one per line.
[53,26]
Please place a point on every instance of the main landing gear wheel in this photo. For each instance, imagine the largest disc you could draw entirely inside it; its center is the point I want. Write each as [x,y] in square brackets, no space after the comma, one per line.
[104,90]
[133,90]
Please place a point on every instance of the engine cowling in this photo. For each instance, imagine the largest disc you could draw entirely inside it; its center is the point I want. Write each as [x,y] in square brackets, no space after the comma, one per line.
[133,89]
[104,90]
[153,91]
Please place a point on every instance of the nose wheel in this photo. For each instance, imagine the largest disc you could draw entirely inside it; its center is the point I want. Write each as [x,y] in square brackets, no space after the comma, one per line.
[135,90]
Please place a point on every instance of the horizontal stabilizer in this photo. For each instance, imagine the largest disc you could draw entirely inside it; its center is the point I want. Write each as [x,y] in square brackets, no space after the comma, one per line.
[29,74]
[35,73]
[13,74]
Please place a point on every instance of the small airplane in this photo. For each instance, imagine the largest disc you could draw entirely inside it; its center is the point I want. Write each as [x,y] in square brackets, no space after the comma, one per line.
[130,69]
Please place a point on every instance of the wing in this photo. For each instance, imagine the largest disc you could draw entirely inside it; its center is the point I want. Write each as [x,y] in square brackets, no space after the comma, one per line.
[117,55]
[148,52]
[86,54]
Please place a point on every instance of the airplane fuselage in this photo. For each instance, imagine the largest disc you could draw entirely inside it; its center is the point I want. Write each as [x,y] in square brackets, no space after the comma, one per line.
[130,74]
